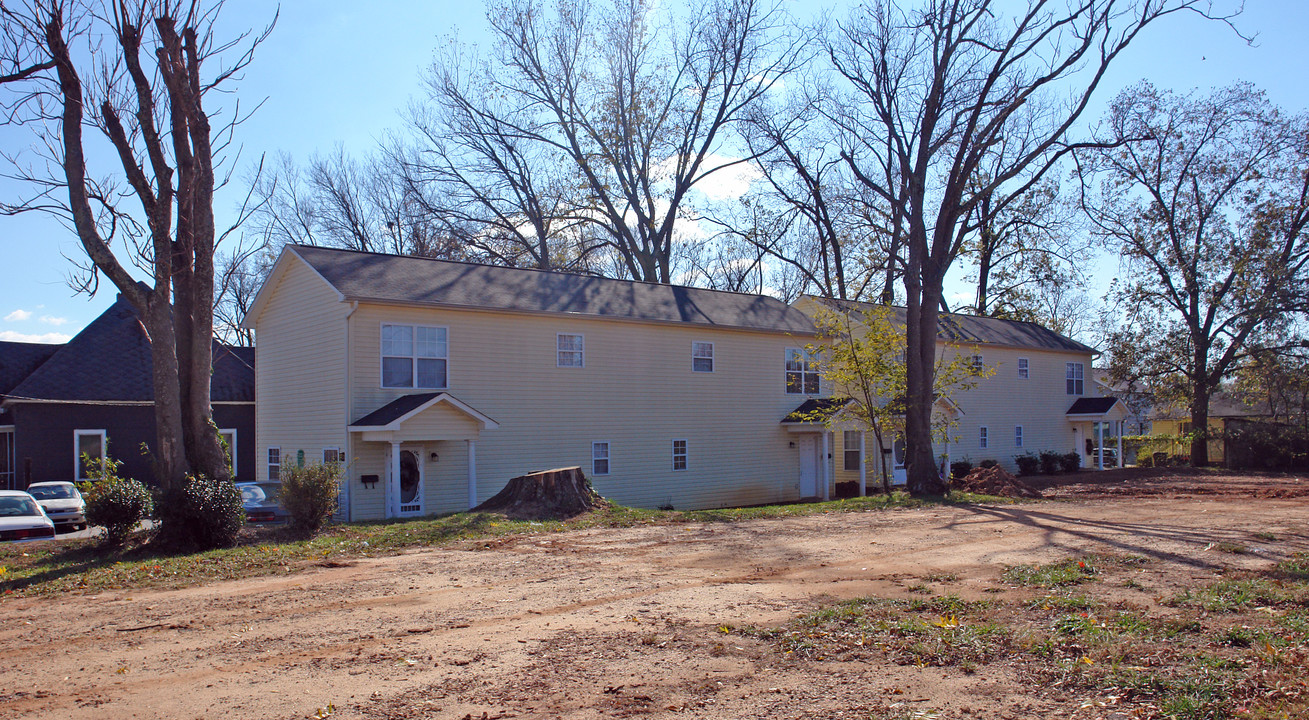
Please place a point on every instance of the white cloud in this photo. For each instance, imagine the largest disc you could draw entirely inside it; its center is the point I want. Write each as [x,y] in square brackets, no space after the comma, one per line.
[56,321]
[53,337]
[18,315]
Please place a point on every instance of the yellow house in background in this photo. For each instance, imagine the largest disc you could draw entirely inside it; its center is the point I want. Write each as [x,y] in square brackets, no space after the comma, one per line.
[435,382]
[1175,420]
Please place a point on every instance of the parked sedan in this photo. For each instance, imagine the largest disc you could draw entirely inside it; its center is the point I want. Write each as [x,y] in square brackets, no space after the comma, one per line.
[61,502]
[22,519]
[262,502]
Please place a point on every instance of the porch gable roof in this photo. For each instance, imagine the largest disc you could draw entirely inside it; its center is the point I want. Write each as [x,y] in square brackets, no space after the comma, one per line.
[392,415]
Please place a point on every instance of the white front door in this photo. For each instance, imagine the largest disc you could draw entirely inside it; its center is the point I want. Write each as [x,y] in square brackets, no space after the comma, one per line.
[411,482]
[808,445]
[899,476]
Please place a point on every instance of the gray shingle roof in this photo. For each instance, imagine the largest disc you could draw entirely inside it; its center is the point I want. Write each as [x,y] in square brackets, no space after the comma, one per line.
[816,410]
[953,327]
[1092,406]
[18,360]
[401,279]
[110,361]
[397,408]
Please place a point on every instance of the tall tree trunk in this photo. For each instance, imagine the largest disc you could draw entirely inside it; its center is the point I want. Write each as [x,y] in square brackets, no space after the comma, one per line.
[1200,424]
[169,454]
[924,478]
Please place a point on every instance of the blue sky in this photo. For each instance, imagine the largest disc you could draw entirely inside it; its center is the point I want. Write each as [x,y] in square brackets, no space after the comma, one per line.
[336,72]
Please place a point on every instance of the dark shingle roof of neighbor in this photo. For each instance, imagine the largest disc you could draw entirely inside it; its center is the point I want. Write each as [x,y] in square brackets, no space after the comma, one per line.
[1222,404]
[816,410]
[1092,406]
[953,327]
[401,279]
[397,408]
[18,360]
[110,361]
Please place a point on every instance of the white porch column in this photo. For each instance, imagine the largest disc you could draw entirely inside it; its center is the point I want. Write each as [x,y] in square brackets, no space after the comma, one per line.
[472,474]
[393,483]
[1122,461]
[826,474]
[863,464]
[1099,444]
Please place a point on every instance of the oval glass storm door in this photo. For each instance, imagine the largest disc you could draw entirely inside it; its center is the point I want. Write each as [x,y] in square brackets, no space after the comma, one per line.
[411,483]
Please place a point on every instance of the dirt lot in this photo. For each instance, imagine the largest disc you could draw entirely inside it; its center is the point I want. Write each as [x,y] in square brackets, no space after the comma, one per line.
[640,621]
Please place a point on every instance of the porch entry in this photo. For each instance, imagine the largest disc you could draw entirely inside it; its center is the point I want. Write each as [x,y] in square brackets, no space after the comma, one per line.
[899,475]
[411,482]
[809,464]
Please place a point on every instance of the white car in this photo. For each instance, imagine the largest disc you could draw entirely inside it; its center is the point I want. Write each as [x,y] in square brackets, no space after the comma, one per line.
[62,503]
[22,519]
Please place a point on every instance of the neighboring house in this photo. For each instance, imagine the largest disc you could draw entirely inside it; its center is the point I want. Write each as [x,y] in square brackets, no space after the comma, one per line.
[436,382]
[1139,401]
[95,393]
[17,361]
[1175,419]
[1039,398]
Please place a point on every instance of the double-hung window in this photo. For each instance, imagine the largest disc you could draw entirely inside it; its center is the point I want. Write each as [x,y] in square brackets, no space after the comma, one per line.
[1073,377]
[331,456]
[1024,371]
[228,437]
[801,371]
[88,450]
[1018,436]
[982,440]
[600,458]
[702,356]
[571,351]
[679,455]
[853,457]
[415,356]
[274,463]
[976,364]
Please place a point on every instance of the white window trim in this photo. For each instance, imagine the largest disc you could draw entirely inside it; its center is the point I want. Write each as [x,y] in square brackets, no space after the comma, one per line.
[608,458]
[1024,368]
[845,449]
[1069,376]
[685,454]
[806,357]
[79,471]
[1018,436]
[231,446]
[983,437]
[337,450]
[582,351]
[710,358]
[976,362]
[268,463]
[381,371]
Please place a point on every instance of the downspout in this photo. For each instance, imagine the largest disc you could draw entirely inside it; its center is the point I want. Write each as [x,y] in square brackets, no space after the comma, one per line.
[349,439]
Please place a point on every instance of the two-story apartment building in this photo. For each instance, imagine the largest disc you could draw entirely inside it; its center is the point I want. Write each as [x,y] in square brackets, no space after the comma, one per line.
[436,382]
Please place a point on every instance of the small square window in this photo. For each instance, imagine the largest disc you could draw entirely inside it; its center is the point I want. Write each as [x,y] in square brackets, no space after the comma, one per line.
[599,458]
[1023,369]
[571,351]
[982,441]
[976,364]
[679,455]
[702,356]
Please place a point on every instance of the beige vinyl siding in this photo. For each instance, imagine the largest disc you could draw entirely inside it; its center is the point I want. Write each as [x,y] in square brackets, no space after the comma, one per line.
[637,391]
[300,369]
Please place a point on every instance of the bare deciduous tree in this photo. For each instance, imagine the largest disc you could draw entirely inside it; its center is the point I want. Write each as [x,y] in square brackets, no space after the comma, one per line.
[945,91]
[135,75]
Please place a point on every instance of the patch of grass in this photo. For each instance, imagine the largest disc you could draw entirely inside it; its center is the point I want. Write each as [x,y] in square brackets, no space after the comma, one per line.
[1230,548]
[1229,596]
[942,577]
[1295,569]
[72,566]
[1265,536]
[1070,571]
[1064,603]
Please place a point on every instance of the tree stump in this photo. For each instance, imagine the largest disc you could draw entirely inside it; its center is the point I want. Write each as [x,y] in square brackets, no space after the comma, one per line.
[559,493]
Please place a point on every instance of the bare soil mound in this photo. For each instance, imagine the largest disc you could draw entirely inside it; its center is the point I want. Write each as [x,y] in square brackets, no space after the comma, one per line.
[547,494]
[994,481]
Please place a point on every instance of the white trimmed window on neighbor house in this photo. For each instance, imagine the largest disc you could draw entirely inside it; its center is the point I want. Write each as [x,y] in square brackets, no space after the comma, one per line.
[1024,370]
[228,436]
[679,455]
[571,350]
[982,440]
[600,458]
[415,356]
[801,371]
[90,443]
[1074,377]
[852,456]
[1018,436]
[274,463]
[702,356]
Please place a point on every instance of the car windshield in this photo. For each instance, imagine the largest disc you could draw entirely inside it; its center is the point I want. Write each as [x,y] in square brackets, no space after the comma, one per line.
[53,492]
[18,506]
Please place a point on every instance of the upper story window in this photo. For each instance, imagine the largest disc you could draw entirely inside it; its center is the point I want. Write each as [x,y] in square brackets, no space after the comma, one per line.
[414,356]
[976,364]
[1074,377]
[801,371]
[571,350]
[702,356]
[1023,369]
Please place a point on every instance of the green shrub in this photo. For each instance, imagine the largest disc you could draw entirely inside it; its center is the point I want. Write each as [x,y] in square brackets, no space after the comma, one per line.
[1028,464]
[309,495]
[960,468]
[988,463]
[200,514]
[1050,462]
[114,503]
[1070,462]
